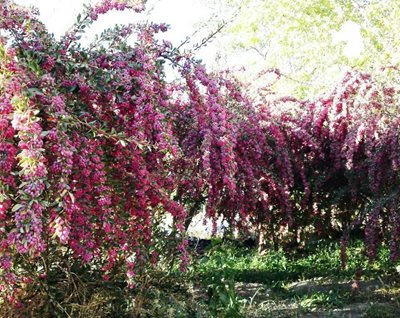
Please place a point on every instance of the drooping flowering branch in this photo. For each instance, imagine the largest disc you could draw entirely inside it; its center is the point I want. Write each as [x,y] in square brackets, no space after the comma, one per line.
[97,146]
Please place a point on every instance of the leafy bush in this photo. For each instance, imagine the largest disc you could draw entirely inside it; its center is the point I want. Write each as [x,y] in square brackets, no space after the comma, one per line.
[98,148]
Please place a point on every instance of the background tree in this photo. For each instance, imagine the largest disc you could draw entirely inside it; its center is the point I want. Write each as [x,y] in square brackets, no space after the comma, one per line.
[311,42]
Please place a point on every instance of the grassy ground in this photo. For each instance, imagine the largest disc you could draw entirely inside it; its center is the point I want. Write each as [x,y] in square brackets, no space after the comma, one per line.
[227,280]
[233,281]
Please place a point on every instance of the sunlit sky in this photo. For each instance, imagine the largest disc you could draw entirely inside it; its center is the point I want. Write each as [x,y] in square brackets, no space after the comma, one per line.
[58,15]
[183,16]
[350,33]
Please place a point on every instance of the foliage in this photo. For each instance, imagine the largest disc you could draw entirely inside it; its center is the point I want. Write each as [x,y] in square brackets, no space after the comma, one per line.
[98,148]
[266,284]
[277,268]
[222,299]
[311,42]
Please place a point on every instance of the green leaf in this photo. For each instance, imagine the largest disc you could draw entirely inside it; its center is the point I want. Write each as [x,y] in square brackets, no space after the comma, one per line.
[17,207]
[34,91]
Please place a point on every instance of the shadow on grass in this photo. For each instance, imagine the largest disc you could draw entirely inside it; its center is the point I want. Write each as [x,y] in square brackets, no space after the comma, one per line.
[322,260]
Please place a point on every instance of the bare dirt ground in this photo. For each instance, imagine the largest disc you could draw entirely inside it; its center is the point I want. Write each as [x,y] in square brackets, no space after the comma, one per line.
[323,298]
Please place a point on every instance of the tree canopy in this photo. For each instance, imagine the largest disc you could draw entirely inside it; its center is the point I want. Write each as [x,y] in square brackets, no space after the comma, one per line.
[312,42]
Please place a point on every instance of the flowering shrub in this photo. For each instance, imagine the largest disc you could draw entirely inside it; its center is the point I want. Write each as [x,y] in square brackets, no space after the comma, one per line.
[85,144]
[97,147]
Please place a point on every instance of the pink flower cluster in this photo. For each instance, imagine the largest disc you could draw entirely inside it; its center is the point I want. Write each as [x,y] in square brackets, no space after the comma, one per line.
[28,215]
[107,5]
[97,148]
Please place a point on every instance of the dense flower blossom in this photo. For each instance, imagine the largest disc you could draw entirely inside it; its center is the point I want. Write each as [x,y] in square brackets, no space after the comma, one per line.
[97,147]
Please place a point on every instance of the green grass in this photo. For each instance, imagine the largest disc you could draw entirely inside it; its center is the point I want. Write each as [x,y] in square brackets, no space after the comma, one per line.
[226,264]
[278,267]
[230,281]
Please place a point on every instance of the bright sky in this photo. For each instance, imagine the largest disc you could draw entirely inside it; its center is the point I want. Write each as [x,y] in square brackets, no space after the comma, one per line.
[350,34]
[182,15]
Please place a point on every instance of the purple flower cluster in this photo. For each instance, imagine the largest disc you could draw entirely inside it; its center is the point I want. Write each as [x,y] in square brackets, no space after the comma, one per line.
[107,5]
[28,216]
